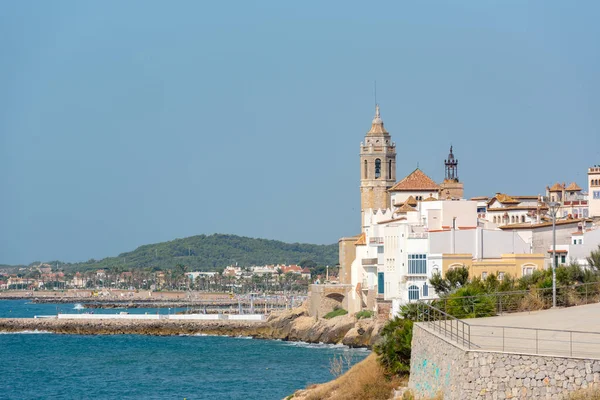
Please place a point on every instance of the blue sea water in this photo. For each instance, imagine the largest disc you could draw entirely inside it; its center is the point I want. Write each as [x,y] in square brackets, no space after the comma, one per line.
[52,366]
[27,309]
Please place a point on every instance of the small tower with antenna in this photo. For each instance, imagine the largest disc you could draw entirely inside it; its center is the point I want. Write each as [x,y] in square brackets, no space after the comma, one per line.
[451,188]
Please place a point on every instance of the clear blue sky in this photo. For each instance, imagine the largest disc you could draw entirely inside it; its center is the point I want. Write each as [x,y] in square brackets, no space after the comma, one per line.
[126,123]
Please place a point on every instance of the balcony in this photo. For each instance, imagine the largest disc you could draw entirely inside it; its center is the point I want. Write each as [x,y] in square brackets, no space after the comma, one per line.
[376,240]
[418,235]
[369,262]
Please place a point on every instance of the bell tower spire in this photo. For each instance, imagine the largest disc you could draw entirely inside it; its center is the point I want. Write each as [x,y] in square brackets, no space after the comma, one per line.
[451,188]
[377,167]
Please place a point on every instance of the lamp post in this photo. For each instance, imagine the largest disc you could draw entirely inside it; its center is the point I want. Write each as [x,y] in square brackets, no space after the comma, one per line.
[553,209]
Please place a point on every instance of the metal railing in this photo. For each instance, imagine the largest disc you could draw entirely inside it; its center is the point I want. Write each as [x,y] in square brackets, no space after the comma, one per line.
[534,299]
[538,341]
[445,324]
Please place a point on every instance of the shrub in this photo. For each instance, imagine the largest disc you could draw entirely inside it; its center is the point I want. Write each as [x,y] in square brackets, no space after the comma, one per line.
[364,314]
[470,302]
[395,347]
[335,313]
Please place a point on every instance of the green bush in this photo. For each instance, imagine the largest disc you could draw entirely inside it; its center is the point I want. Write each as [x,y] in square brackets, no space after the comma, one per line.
[335,313]
[364,314]
[395,347]
[470,302]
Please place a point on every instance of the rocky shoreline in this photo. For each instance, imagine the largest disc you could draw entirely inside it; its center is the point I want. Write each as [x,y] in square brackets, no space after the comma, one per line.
[291,325]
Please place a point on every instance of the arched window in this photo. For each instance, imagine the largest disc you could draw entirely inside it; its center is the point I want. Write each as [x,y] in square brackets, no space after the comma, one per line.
[390,169]
[495,220]
[522,218]
[366,168]
[425,290]
[413,293]
[377,168]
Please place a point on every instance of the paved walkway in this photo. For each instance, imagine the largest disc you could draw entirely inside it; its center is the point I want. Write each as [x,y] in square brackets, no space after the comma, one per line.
[572,331]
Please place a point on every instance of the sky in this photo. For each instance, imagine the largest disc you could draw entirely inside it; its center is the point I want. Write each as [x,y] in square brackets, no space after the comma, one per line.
[127,123]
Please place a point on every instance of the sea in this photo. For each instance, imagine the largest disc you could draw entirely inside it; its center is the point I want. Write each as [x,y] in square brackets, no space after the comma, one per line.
[42,365]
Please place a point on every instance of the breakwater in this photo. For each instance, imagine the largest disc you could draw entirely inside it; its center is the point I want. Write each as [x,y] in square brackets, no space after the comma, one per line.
[292,325]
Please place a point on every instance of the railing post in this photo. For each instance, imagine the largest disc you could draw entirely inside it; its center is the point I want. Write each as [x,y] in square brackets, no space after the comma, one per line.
[502,338]
[500,304]
[469,337]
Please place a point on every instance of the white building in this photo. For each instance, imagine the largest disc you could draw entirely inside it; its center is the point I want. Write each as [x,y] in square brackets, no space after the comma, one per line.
[594,191]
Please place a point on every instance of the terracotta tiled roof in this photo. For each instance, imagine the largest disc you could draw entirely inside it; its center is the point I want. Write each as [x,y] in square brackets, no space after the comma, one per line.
[573,187]
[411,201]
[557,187]
[430,198]
[362,240]
[480,198]
[392,220]
[516,208]
[540,225]
[405,208]
[415,181]
[504,199]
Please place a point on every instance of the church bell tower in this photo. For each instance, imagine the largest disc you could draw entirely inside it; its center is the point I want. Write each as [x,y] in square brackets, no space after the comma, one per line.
[377,167]
[451,188]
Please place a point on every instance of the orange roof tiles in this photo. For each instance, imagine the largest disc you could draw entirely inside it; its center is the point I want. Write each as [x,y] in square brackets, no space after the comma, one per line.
[573,187]
[405,208]
[411,201]
[557,187]
[362,240]
[415,181]
[430,198]
[504,199]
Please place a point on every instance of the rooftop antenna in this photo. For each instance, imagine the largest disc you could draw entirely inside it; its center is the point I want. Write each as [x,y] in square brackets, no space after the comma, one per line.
[375,87]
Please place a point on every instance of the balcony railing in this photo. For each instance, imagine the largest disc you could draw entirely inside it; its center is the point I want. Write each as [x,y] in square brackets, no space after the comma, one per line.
[418,235]
[376,240]
[369,261]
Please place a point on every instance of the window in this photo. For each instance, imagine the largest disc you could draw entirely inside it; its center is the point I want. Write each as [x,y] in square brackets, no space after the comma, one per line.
[483,275]
[527,270]
[425,290]
[522,218]
[596,194]
[366,167]
[580,241]
[574,241]
[413,292]
[377,168]
[417,264]
[565,213]
[563,259]
[585,213]
[501,276]
[389,169]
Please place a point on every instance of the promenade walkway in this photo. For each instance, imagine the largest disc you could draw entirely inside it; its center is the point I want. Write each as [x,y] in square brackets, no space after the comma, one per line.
[572,332]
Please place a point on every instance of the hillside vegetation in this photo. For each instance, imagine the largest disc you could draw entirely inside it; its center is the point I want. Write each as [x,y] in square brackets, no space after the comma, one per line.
[211,252]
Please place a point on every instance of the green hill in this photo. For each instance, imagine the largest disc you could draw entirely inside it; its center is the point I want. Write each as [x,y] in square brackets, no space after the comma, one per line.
[203,253]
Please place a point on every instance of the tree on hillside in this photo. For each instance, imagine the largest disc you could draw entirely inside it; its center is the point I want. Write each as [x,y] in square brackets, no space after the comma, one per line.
[307,263]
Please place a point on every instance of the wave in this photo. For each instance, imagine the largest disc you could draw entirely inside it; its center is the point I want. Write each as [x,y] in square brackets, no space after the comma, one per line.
[25,332]
[326,346]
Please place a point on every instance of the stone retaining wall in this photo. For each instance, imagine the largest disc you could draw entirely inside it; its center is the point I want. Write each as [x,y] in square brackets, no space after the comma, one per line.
[438,366]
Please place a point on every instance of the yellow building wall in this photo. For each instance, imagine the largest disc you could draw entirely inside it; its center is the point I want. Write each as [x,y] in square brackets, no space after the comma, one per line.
[509,264]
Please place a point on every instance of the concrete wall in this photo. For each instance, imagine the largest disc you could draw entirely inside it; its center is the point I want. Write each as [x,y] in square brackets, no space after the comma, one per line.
[324,298]
[347,254]
[439,366]
[181,317]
